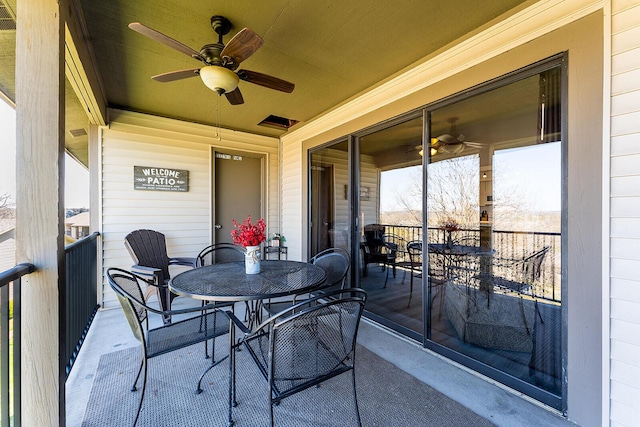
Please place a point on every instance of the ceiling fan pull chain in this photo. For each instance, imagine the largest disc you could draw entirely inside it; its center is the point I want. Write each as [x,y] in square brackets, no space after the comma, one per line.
[218,137]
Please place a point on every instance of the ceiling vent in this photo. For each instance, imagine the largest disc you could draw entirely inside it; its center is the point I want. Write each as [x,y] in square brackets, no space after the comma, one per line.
[7,18]
[78,132]
[278,122]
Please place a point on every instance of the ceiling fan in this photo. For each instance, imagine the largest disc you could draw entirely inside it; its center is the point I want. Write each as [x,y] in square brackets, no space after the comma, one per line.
[450,143]
[220,70]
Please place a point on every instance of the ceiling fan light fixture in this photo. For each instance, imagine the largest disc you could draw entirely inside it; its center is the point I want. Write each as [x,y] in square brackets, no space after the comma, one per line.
[452,149]
[219,79]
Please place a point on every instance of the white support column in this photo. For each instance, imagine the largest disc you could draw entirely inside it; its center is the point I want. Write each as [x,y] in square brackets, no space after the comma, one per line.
[40,206]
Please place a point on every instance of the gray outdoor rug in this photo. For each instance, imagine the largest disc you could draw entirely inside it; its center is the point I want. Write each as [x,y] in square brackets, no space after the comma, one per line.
[387,396]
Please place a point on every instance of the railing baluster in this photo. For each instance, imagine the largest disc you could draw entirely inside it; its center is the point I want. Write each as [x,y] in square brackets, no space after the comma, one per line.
[4,347]
[10,290]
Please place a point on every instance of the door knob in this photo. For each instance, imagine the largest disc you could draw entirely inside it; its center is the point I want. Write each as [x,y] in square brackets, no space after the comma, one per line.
[218,226]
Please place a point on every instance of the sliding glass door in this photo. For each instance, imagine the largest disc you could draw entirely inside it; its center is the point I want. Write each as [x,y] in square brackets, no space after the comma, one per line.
[494,211]
[390,218]
[454,218]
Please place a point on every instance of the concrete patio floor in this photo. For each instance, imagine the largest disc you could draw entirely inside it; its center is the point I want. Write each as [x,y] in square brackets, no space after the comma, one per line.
[504,407]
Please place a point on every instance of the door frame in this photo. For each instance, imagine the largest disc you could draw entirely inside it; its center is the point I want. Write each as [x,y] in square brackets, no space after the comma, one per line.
[264,200]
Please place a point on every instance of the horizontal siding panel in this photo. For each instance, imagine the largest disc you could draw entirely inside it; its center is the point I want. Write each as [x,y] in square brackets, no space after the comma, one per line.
[626,19]
[625,374]
[625,248]
[625,186]
[625,289]
[619,6]
[626,103]
[627,332]
[627,82]
[628,39]
[626,123]
[625,227]
[625,269]
[625,165]
[292,194]
[625,207]
[624,415]
[624,62]
[625,144]
[626,394]
[625,352]
[627,311]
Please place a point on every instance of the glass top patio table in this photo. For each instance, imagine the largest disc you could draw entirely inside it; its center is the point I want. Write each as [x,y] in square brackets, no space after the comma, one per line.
[228,282]
[462,250]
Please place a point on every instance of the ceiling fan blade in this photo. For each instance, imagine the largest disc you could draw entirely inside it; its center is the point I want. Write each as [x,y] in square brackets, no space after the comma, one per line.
[165,40]
[234,97]
[241,46]
[266,81]
[176,75]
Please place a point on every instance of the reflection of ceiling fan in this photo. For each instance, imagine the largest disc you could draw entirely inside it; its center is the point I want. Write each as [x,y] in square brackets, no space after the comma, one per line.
[451,143]
[220,61]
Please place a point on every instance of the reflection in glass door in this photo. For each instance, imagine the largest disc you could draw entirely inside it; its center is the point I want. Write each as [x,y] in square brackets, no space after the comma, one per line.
[390,218]
[458,239]
[494,233]
[329,180]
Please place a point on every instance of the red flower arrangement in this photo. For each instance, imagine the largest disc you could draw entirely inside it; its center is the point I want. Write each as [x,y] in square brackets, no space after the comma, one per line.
[248,234]
[450,224]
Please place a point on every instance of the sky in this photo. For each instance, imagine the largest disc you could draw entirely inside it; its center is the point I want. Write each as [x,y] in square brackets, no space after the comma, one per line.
[76,176]
[534,169]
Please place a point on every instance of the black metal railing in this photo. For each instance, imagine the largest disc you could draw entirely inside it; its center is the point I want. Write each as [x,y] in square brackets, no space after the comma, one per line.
[10,351]
[82,293]
[507,245]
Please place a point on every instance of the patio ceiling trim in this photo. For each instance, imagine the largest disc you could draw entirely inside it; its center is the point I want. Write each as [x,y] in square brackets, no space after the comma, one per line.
[499,36]
[81,67]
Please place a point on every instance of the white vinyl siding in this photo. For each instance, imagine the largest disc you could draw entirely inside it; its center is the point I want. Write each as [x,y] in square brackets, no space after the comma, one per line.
[134,139]
[292,199]
[625,214]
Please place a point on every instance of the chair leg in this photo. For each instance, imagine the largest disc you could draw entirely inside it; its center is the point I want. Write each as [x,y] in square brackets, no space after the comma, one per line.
[232,373]
[410,289]
[133,387]
[271,403]
[386,279]
[144,388]
[355,396]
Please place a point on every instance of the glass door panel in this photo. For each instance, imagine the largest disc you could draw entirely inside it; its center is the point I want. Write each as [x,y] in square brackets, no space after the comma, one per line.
[494,227]
[390,218]
[329,181]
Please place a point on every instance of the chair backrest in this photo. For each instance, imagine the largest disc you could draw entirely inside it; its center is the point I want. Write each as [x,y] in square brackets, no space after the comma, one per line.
[149,248]
[127,288]
[335,262]
[374,237]
[219,253]
[532,265]
[317,341]
[396,245]
[415,253]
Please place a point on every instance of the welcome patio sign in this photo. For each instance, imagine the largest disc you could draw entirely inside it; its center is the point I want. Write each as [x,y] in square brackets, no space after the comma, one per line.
[160,179]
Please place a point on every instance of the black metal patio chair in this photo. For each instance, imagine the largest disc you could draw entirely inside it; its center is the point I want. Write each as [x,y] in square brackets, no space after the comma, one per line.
[216,254]
[335,262]
[302,346]
[207,323]
[376,250]
[148,248]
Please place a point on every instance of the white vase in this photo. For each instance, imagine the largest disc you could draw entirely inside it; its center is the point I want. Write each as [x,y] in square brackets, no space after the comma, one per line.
[252,260]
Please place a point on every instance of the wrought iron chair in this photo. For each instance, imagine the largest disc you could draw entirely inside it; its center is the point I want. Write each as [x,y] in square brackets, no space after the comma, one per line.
[415,261]
[335,262]
[148,248]
[216,254]
[375,250]
[303,346]
[398,246]
[207,323]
